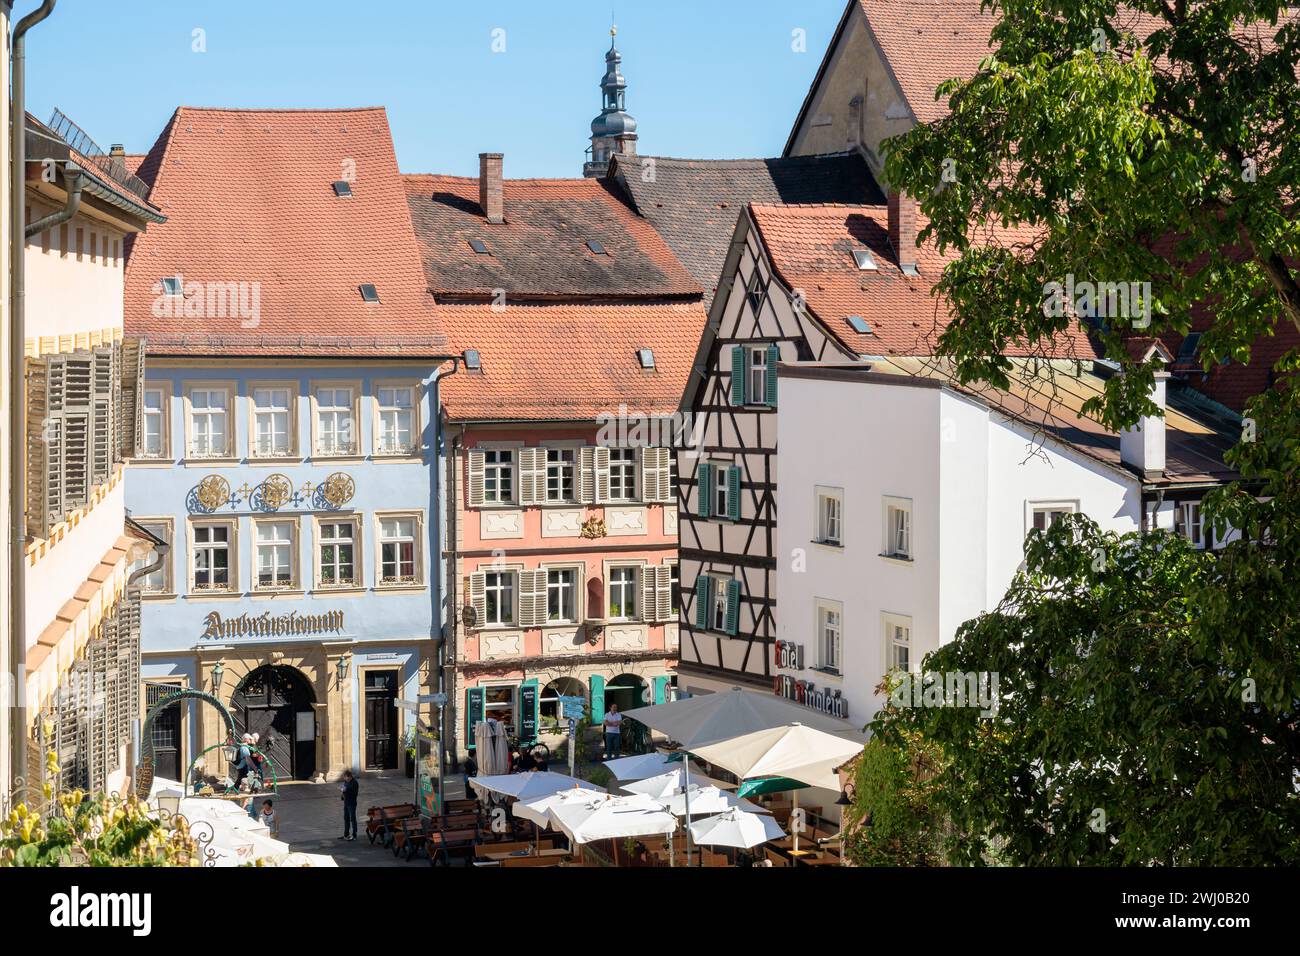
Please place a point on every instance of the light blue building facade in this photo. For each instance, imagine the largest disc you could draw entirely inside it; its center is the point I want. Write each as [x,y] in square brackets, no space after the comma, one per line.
[302,585]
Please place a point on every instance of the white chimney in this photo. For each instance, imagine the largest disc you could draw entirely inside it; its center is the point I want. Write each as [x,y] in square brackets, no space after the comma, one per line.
[1143,446]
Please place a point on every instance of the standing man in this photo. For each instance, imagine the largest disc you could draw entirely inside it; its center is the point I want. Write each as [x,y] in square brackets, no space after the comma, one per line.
[613,738]
[348,791]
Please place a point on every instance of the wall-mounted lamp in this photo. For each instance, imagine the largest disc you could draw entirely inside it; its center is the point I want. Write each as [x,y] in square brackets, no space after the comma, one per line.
[345,662]
[218,671]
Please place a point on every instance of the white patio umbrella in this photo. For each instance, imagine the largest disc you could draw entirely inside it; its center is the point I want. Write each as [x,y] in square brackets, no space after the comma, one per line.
[709,718]
[537,810]
[736,828]
[530,785]
[664,785]
[639,766]
[706,800]
[612,818]
[306,860]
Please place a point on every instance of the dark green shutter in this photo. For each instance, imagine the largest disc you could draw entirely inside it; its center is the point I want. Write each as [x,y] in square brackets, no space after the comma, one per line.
[528,711]
[702,599]
[733,493]
[704,486]
[773,356]
[738,375]
[474,697]
[733,606]
[661,690]
[597,698]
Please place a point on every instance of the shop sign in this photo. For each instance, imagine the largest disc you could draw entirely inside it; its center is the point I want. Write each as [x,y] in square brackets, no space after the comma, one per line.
[803,692]
[788,655]
[218,628]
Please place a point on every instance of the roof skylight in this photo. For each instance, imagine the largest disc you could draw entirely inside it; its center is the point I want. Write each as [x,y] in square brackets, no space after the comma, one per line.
[479,246]
[342,188]
[864,260]
[859,325]
[368,292]
[646,357]
[597,247]
[473,361]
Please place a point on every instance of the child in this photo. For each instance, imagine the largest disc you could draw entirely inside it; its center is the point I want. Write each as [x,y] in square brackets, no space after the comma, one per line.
[270,818]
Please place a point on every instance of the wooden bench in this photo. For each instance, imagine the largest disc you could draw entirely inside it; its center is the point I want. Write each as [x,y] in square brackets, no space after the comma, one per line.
[380,821]
[460,806]
[534,860]
[441,844]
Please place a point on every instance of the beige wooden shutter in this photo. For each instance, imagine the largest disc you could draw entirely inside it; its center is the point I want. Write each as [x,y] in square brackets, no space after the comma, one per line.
[43,441]
[478,596]
[475,484]
[128,662]
[131,417]
[664,592]
[600,470]
[587,475]
[104,437]
[649,597]
[532,598]
[532,476]
[654,474]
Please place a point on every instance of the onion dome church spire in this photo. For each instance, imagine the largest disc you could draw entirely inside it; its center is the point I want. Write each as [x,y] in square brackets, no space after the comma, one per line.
[614,130]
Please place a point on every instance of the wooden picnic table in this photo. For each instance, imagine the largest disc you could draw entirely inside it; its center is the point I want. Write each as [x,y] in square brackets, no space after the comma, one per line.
[440,844]
[518,853]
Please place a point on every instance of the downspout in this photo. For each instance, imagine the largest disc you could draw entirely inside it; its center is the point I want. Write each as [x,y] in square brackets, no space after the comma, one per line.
[162,549]
[437,538]
[76,182]
[18,389]
[453,598]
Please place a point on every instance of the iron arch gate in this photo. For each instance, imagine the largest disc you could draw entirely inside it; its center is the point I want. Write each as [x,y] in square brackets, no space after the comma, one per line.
[275,702]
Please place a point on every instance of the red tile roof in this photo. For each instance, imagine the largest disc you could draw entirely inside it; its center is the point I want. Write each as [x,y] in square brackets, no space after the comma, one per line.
[811,248]
[570,362]
[249,199]
[541,250]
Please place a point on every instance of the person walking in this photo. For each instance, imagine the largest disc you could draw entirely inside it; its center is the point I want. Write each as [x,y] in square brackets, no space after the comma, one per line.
[244,761]
[613,736]
[348,790]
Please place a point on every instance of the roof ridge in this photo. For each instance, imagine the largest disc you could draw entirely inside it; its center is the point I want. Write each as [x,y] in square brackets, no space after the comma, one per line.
[282,109]
[810,157]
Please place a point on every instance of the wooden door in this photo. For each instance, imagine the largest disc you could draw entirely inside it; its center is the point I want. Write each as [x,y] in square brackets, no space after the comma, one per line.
[382,743]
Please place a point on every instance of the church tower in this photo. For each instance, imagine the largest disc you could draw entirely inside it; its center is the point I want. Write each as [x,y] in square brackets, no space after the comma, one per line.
[614,130]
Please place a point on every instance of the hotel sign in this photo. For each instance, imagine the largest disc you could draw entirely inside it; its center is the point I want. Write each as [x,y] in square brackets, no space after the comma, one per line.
[803,692]
[293,624]
[787,655]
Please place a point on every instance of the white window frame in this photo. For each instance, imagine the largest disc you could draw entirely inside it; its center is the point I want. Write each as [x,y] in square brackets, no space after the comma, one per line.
[163,415]
[756,374]
[165,528]
[889,641]
[1183,523]
[289,409]
[194,546]
[829,616]
[576,572]
[890,506]
[674,591]
[721,491]
[492,471]
[319,542]
[417,519]
[506,581]
[572,464]
[1034,507]
[829,516]
[634,587]
[718,612]
[319,447]
[291,544]
[228,391]
[627,463]
[383,449]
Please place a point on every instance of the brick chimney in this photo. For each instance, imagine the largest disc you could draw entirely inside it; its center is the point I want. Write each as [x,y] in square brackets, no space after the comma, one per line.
[490,198]
[117,158]
[902,229]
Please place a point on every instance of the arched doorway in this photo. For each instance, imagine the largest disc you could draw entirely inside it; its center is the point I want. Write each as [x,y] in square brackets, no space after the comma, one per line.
[628,691]
[548,705]
[275,702]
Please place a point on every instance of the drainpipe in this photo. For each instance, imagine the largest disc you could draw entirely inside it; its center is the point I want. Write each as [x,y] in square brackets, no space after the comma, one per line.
[18,389]
[162,549]
[75,180]
[439,489]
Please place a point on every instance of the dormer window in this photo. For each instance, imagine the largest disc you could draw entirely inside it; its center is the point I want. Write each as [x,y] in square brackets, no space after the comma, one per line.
[864,260]
[368,292]
[479,246]
[343,189]
[171,285]
[646,357]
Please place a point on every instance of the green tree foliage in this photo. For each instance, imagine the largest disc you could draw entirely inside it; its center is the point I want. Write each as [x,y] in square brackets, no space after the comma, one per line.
[1149,693]
[1154,141]
[895,822]
[79,829]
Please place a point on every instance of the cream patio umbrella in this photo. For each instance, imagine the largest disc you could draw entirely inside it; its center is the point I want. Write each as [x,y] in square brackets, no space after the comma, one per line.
[639,766]
[706,800]
[797,752]
[664,785]
[537,810]
[530,785]
[612,818]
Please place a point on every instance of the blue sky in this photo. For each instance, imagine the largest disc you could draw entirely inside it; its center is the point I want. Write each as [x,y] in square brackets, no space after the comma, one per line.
[708,78]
